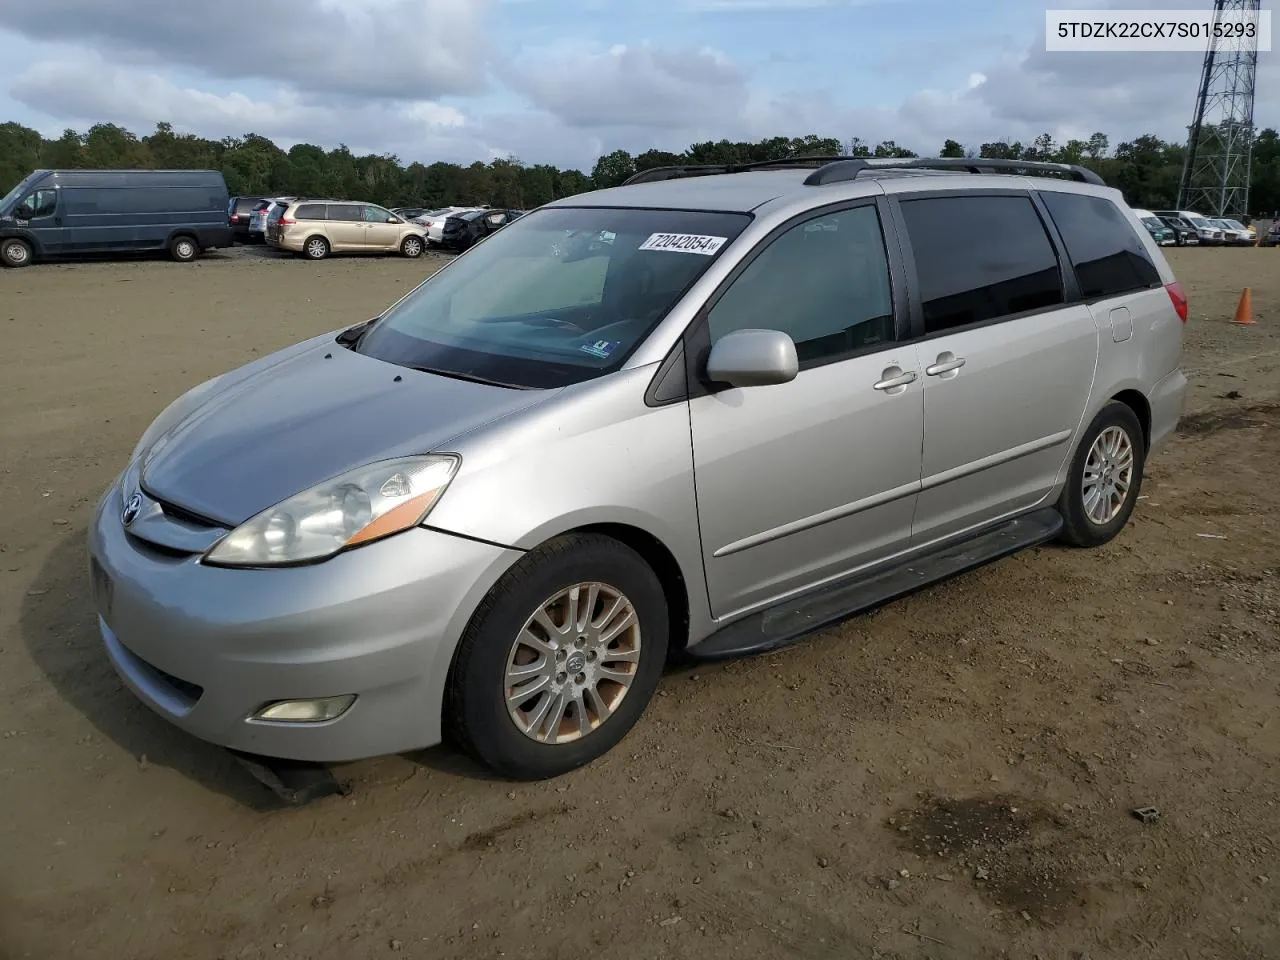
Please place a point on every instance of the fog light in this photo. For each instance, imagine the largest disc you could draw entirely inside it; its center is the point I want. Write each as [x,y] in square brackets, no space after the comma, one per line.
[306,711]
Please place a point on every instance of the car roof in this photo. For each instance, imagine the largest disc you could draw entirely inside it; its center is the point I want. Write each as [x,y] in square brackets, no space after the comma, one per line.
[746,189]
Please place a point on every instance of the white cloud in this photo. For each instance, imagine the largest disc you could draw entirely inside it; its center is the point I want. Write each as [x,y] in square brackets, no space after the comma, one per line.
[366,48]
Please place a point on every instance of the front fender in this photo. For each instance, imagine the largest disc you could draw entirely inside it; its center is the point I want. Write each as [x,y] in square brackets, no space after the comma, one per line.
[594,455]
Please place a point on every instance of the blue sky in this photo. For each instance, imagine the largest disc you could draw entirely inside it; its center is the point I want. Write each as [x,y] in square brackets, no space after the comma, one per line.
[561,81]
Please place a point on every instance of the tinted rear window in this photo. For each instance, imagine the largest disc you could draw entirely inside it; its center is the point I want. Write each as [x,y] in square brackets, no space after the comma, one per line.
[979,258]
[346,211]
[1108,256]
[311,211]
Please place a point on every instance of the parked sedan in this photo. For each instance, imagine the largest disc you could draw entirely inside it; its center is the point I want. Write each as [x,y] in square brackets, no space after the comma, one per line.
[465,230]
[1234,233]
[1160,232]
[1184,233]
[433,221]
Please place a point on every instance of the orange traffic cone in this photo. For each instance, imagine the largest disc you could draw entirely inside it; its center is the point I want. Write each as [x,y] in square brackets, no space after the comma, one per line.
[1244,310]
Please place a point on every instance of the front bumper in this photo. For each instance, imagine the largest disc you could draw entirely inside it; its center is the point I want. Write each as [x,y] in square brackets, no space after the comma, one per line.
[207,647]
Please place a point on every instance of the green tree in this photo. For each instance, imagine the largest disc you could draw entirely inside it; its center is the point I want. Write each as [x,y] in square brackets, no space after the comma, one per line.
[951,148]
[612,169]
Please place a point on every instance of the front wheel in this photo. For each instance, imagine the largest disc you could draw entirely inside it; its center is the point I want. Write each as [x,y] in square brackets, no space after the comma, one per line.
[560,660]
[1105,478]
[412,247]
[15,253]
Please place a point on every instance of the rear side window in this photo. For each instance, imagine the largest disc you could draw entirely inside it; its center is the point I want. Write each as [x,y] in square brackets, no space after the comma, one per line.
[346,211]
[311,211]
[980,258]
[1108,256]
[140,200]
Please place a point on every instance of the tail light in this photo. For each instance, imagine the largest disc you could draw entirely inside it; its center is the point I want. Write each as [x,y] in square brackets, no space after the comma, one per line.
[1178,298]
[286,222]
[235,218]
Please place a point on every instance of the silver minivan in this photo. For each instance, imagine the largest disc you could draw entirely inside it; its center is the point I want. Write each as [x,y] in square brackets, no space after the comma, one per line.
[777,396]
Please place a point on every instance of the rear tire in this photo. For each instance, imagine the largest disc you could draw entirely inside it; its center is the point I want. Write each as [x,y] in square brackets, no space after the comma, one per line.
[316,248]
[16,253]
[184,249]
[412,247]
[622,630]
[1105,478]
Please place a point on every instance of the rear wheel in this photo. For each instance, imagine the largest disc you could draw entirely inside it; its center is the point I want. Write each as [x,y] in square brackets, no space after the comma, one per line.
[15,253]
[1105,478]
[412,247]
[560,660]
[184,249]
[316,248]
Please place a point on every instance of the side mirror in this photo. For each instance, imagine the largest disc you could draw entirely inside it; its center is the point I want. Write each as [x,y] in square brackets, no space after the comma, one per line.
[394,219]
[753,358]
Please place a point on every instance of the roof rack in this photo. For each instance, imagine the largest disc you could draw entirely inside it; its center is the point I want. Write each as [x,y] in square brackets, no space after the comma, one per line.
[654,174]
[850,168]
[841,169]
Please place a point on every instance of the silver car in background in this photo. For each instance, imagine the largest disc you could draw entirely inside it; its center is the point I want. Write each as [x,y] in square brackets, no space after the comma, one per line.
[708,412]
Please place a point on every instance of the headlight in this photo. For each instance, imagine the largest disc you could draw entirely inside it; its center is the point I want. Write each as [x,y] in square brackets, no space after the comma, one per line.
[366,504]
[171,415]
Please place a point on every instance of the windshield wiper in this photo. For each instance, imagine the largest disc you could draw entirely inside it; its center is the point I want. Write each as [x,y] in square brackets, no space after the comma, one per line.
[469,377]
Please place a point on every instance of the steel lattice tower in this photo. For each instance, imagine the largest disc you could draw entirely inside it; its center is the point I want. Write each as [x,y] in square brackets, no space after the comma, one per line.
[1215,175]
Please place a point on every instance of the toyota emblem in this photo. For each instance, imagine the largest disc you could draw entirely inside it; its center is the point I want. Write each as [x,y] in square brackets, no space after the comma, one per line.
[131,509]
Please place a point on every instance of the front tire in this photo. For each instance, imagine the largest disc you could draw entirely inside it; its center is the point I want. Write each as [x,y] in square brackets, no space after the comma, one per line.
[15,253]
[560,660]
[1105,479]
[184,249]
[412,247]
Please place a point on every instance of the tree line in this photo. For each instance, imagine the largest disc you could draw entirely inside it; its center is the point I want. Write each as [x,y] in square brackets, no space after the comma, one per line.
[1147,169]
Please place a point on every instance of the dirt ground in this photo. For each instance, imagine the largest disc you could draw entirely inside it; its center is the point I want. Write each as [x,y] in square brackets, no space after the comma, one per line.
[951,777]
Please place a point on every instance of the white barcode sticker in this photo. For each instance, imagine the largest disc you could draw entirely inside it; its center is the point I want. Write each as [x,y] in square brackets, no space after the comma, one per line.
[684,243]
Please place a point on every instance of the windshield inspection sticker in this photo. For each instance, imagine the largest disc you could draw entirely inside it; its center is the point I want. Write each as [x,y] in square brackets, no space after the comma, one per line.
[684,243]
[601,348]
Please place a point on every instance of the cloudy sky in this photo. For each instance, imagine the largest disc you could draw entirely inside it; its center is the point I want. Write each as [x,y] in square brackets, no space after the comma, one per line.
[562,81]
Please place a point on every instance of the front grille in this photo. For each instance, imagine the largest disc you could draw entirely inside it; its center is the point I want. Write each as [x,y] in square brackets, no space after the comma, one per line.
[181,514]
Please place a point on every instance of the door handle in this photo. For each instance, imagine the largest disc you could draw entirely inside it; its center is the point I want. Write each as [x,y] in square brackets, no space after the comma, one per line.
[945,363]
[901,380]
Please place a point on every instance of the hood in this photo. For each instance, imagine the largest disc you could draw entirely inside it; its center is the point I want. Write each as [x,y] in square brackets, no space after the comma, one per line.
[316,414]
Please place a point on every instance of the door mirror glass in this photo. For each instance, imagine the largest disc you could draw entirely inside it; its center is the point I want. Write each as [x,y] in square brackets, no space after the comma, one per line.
[753,358]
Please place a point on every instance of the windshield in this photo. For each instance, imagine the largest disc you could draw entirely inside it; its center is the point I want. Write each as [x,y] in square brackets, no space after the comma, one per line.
[1199,222]
[14,194]
[1154,223]
[560,296]
[1236,225]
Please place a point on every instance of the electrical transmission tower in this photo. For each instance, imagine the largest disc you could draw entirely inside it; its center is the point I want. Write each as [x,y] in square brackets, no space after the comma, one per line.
[1215,175]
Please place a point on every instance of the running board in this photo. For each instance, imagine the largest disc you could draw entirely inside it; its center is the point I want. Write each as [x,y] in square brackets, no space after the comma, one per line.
[792,620]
